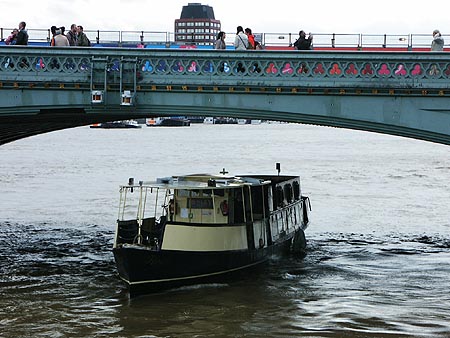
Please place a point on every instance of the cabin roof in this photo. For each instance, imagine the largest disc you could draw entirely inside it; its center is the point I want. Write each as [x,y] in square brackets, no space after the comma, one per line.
[201,181]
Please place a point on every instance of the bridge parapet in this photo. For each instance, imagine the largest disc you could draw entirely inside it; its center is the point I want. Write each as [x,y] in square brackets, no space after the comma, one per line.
[337,70]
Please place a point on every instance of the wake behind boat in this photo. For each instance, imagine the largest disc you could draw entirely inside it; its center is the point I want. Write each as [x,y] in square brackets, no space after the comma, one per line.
[191,229]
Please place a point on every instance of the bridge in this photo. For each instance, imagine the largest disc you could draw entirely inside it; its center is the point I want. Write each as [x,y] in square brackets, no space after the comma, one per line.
[399,93]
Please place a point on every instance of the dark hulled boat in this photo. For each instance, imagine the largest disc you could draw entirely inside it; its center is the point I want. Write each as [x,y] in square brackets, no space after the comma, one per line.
[117,124]
[198,228]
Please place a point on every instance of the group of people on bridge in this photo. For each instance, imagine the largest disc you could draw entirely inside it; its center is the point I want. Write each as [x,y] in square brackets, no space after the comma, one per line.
[74,37]
[244,39]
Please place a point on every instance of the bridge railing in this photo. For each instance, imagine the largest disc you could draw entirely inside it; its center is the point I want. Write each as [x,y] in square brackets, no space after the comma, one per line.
[277,69]
[277,40]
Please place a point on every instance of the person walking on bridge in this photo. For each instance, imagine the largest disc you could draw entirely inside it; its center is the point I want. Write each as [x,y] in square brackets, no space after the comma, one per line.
[437,45]
[251,38]
[241,39]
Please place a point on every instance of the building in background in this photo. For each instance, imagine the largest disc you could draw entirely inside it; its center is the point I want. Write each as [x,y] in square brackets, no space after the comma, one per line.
[196,25]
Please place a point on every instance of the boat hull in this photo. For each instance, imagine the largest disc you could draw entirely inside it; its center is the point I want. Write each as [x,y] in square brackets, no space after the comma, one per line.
[146,270]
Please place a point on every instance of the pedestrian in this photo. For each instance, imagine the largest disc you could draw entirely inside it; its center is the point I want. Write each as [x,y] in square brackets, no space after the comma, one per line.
[60,40]
[303,43]
[22,35]
[82,39]
[53,31]
[220,42]
[72,35]
[251,39]
[11,40]
[437,45]
[241,39]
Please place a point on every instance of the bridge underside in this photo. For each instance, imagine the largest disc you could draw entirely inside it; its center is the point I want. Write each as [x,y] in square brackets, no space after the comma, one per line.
[28,123]
[16,127]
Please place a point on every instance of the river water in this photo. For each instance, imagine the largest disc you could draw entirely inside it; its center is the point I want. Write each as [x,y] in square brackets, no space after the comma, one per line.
[378,261]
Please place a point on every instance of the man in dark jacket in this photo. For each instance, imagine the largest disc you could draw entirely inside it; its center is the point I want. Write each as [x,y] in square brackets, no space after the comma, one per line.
[302,42]
[82,39]
[72,35]
[22,36]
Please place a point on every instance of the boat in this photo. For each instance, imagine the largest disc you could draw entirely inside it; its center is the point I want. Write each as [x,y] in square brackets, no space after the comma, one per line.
[201,228]
[117,124]
[220,120]
[248,121]
[178,121]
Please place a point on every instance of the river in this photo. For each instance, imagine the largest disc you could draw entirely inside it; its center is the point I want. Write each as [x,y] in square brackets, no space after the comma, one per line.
[378,260]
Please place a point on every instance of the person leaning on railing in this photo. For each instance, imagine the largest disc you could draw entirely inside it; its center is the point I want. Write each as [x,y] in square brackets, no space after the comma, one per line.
[22,36]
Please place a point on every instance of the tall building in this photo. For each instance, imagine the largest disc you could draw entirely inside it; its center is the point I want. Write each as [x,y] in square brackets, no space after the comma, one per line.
[196,25]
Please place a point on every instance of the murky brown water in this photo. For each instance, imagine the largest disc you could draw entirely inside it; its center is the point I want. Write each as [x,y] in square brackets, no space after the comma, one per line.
[378,263]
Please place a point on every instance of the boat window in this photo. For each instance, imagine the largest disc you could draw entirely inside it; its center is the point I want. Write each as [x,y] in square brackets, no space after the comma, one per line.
[257,203]
[236,206]
[296,187]
[219,192]
[288,193]
[196,193]
[183,193]
[279,197]
[200,203]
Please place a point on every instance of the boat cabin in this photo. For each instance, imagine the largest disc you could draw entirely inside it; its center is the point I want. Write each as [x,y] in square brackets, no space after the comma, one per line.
[248,211]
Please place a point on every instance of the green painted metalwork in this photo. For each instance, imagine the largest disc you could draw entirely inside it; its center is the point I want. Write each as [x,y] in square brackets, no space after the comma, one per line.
[405,93]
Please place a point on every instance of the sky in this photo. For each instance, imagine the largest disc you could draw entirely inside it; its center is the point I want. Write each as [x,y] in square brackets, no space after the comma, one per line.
[319,16]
